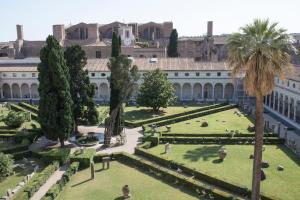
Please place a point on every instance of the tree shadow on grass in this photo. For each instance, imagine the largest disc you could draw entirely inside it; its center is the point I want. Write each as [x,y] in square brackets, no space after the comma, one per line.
[204,153]
[289,153]
[120,198]
[82,182]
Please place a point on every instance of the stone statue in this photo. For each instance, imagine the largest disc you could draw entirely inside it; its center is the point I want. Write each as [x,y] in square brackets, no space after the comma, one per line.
[126,191]
[222,153]
[167,148]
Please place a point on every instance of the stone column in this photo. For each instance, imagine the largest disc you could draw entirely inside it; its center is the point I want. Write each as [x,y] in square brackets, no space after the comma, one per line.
[202,91]
[273,106]
[213,92]
[192,92]
[181,92]
[30,94]
[295,109]
[289,109]
[223,95]
[11,93]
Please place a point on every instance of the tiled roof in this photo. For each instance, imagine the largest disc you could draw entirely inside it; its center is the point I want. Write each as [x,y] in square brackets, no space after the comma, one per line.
[144,64]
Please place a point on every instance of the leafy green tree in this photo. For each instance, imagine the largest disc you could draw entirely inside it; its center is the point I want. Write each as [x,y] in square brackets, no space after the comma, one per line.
[173,43]
[156,91]
[15,119]
[6,165]
[79,85]
[55,105]
[123,77]
[261,51]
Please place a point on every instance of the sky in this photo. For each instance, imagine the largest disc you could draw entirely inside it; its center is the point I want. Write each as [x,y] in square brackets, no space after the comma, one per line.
[189,17]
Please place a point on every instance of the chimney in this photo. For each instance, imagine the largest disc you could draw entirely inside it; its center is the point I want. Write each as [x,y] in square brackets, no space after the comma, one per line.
[93,32]
[59,32]
[20,35]
[210,28]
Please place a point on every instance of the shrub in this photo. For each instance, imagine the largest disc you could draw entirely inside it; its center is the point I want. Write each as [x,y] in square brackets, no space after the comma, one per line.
[204,124]
[153,139]
[84,158]
[58,154]
[251,128]
[6,165]
[15,119]
[29,107]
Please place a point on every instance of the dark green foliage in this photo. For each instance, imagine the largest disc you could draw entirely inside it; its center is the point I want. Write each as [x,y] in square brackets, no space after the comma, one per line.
[92,113]
[55,105]
[153,139]
[62,155]
[84,158]
[29,107]
[18,108]
[115,46]
[81,89]
[172,47]
[123,77]
[15,119]
[36,182]
[6,165]
[156,91]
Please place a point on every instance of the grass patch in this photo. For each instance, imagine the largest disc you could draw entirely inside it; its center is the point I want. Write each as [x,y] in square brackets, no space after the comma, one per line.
[134,114]
[217,124]
[107,185]
[237,167]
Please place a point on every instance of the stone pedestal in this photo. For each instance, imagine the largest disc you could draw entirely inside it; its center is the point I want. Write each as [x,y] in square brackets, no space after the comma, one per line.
[92,170]
[105,161]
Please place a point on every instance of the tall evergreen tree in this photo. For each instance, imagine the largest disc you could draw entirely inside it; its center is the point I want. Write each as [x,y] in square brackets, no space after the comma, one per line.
[124,77]
[173,42]
[115,97]
[79,84]
[55,105]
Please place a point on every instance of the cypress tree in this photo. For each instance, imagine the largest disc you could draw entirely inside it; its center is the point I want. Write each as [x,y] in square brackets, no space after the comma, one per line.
[79,84]
[115,96]
[172,47]
[55,105]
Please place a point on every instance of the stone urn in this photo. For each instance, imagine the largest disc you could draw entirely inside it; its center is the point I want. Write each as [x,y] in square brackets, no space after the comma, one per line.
[222,153]
[126,191]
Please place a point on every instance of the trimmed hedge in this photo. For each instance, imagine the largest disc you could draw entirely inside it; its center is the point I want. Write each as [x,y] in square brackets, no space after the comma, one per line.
[36,182]
[22,154]
[84,158]
[153,139]
[232,187]
[15,107]
[29,107]
[15,148]
[172,176]
[154,120]
[54,191]
[113,156]
[62,155]
[215,135]
[218,140]
[195,115]
[18,136]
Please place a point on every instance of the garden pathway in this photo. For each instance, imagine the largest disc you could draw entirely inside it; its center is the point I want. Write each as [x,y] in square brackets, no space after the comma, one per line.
[133,137]
[51,181]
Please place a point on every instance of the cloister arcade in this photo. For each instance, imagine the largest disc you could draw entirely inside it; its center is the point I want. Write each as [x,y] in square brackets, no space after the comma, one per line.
[203,91]
[20,91]
[284,104]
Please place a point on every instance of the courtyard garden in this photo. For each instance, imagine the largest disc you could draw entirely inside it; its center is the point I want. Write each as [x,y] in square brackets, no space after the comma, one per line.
[108,185]
[237,166]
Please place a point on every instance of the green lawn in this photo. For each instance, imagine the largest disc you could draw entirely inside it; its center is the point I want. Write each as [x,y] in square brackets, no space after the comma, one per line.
[12,181]
[134,114]
[237,167]
[217,124]
[108,183]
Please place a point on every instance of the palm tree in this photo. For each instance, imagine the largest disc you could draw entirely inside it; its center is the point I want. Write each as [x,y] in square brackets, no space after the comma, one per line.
[261,51]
